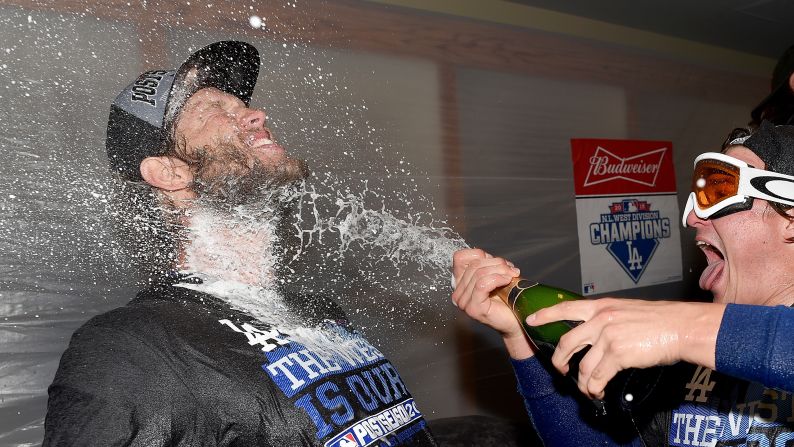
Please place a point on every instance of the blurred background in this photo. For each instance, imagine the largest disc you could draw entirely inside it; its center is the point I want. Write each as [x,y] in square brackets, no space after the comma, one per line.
[461,110]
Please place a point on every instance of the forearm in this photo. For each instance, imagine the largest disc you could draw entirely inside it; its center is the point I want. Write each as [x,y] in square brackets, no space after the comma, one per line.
[754,343]
[699,338]
[518,346]
[556,417]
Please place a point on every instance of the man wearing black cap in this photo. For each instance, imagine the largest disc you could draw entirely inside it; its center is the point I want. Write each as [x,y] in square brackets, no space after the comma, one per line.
[214,351]
[778,107]
[731,377]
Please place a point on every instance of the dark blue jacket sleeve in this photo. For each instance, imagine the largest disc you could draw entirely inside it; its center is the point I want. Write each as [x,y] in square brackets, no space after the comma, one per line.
[557,417]
[754,343]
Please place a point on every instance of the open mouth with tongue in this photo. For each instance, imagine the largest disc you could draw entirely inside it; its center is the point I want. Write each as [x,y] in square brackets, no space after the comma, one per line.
[716,265]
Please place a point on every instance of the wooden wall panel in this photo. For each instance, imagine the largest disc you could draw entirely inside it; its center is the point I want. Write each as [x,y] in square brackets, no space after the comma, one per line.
[360,25]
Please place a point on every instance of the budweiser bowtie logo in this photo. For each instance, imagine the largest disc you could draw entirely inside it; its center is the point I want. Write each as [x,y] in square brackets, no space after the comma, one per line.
[606,166]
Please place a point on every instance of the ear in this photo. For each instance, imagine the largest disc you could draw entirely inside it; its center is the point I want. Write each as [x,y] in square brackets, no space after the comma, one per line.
[789,230]
[166,173]
[791,82]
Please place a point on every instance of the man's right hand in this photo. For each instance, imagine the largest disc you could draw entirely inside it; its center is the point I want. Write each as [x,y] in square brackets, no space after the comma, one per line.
[477,276]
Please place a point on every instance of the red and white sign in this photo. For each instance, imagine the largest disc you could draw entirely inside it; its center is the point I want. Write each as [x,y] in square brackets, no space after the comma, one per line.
[609,167]
[627,214]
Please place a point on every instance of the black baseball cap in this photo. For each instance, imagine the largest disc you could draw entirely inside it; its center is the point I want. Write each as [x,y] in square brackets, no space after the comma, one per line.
[774,145]
[141,116]
[780,83]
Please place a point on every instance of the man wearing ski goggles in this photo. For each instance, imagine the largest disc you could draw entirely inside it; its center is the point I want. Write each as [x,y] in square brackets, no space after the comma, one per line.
[736,352]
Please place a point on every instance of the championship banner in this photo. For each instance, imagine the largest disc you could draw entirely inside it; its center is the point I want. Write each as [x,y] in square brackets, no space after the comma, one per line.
[627,214]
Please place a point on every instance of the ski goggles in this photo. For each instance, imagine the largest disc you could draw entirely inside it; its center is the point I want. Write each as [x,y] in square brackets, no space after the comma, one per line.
[722,185]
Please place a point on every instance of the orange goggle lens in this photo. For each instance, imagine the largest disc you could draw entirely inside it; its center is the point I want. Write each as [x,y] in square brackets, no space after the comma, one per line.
[714,181]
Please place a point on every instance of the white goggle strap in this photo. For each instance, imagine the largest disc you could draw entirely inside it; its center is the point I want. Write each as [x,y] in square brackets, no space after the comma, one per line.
[766,185]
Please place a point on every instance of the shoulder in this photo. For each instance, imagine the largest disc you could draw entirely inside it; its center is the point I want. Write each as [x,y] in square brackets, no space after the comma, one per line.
[316,309]
[135,331]
[122,354]
[149,308]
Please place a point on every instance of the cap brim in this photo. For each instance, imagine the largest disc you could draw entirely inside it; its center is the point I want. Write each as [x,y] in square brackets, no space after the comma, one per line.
[230,66]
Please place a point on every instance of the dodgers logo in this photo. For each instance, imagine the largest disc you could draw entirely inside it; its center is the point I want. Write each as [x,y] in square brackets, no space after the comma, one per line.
[631,233]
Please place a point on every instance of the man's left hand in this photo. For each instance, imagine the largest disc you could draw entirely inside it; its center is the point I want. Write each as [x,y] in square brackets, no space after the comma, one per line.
[626,333]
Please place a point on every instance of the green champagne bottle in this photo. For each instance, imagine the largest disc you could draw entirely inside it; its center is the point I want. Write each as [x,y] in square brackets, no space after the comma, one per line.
[629,388]
[526,297]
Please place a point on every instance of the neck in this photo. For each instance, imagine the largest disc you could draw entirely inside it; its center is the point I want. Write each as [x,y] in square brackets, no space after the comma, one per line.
[782,295]
[231,247]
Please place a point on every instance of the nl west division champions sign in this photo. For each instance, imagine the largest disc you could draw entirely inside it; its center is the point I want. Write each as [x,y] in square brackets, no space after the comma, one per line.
[627,214]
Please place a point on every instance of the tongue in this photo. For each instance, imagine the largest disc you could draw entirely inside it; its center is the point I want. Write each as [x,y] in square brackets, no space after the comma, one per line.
[711,274]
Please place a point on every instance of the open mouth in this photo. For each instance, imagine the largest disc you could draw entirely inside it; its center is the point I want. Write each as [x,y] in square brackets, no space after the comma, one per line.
[260,139]
[712,253]
[263,144]
[716,265]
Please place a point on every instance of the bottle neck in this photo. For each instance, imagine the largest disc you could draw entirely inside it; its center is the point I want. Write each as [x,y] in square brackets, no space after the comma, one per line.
[504,292]
[509,292]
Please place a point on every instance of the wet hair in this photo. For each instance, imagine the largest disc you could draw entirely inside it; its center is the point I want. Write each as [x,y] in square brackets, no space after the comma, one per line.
[736,136]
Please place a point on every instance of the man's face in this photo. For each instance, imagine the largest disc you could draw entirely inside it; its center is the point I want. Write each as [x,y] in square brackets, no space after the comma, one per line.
[229,141]
[746,251]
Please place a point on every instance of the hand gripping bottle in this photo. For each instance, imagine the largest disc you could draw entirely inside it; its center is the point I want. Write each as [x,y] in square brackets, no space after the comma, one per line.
[525,297]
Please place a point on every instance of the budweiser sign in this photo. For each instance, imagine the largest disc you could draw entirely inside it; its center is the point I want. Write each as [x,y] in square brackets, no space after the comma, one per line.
[610,167]
[627,213]
[606,166]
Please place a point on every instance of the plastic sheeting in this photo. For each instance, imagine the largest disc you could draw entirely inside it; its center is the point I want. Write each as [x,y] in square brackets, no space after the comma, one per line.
[368,120]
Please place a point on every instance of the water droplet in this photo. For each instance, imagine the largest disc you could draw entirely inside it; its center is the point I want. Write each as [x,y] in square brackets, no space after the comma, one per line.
[255,21]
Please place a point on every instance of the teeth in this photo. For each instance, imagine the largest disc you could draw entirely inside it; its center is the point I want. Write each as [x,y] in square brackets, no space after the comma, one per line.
[260,142]
[708,248]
